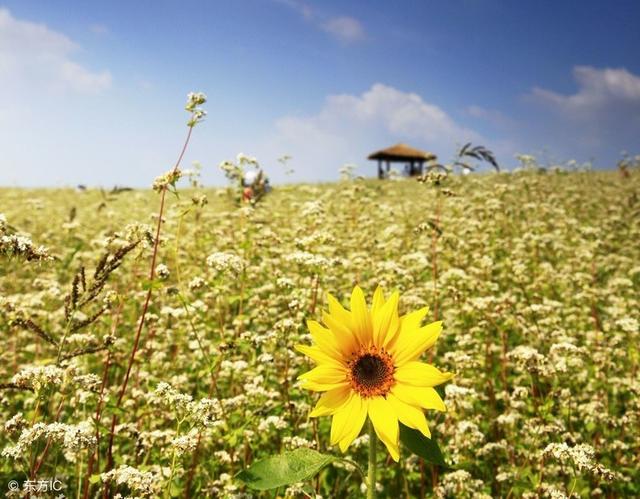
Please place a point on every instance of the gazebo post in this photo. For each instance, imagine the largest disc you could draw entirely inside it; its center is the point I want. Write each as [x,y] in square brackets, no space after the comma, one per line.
[380,175]
[388,168]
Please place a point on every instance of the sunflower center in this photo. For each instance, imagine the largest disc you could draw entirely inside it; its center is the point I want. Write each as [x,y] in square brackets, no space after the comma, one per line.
[371,372]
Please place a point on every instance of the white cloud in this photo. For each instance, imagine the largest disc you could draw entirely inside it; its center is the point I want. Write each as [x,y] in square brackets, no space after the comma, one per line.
[604,113]
[36,58]
[491,116]
[301,7]
[49,92]
[344,28]
[99,29]
[349,127]
[401,113]
[598,90]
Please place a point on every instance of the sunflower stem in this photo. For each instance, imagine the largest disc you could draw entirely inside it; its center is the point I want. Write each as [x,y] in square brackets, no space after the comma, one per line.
[371,478]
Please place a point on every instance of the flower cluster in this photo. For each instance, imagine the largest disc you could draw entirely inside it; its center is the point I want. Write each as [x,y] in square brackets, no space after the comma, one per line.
[72,438]
[168,179]
[17,245]
[205,412]
[195,99]
[226,261]
[39,377]
[581,456]
[145,483]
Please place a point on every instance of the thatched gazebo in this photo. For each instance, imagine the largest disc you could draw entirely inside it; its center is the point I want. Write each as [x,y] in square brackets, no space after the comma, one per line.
[414,159]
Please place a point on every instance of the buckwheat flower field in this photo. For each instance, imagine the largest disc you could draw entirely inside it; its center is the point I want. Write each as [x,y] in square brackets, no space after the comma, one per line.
[535,278]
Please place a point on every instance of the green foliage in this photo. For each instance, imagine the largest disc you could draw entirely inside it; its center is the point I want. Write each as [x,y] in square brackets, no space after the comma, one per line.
[285,469]
[426,448]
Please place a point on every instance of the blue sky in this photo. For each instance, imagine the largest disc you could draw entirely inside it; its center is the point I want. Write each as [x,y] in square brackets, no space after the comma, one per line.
[92,92]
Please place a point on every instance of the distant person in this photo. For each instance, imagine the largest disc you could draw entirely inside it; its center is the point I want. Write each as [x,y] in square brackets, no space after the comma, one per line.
[255,184]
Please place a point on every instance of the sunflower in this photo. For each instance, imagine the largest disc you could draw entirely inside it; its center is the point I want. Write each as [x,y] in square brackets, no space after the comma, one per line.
[367,365]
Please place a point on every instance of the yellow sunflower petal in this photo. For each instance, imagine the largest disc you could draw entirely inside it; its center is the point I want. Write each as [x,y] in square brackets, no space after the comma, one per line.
[324,339]
[338,312]
[317,355]
[412,320]
[326,374]
[355,427]
[314,386]
[409,415]
[420,374]
[378,300]
[346,418]
[410,344]
[408,324]
[381,316]
[361,316]
[385,422]
[386,321]
[345,337]
[331,401]
[421,396]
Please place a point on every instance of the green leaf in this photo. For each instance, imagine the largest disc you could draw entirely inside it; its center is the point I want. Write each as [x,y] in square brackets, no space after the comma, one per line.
[113,407]
[69,258]
[175,490]
[285,469]
[426,448]
[152,284]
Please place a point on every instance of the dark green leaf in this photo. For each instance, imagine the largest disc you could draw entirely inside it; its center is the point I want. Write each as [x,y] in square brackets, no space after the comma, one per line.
[285,469]
[426,448]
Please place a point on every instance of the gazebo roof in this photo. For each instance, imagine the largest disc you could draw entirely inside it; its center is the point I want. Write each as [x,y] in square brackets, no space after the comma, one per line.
[402,152]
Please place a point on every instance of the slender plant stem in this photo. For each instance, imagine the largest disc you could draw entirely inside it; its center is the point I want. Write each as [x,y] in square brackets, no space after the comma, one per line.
[64,338]
[371,478]
[38,463]
[173,462]
[145,307]
[94,455]
[152,271]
